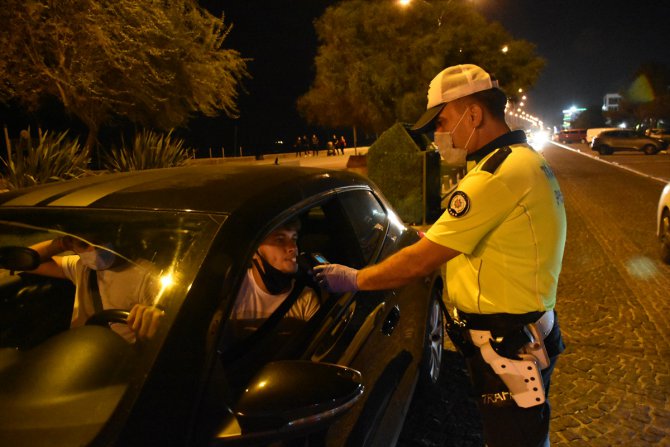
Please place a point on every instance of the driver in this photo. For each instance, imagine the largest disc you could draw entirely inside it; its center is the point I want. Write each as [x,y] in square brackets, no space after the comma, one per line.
[272,278]
[119,284]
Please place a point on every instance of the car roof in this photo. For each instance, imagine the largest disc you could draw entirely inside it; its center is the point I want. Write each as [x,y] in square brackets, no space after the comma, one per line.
[211,188]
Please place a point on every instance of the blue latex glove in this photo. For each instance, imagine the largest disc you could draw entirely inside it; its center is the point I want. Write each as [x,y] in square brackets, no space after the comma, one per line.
[336,278]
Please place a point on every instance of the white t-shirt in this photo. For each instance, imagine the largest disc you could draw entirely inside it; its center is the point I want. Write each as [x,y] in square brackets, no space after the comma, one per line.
[253,303]
[120,288]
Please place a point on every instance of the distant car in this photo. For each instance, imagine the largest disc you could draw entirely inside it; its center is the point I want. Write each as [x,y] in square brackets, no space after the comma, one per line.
[663,227]
[568,136]
[594,132]
[662,134]
[344,377]
[537,138]
[610,141]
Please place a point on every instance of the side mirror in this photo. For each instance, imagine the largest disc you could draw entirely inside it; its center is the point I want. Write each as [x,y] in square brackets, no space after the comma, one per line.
[287,398]
[293,392]
[19,258]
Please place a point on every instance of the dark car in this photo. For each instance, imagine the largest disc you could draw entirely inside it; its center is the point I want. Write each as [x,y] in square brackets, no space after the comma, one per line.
[344,377]
[609,141]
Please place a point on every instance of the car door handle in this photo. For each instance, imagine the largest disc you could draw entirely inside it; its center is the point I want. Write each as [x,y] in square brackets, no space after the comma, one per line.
[391,320]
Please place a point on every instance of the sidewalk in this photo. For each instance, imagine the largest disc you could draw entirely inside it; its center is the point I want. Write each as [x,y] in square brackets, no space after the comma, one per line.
[321,160]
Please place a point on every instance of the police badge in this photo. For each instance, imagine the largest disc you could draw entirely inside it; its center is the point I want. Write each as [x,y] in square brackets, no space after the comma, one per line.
[459,204]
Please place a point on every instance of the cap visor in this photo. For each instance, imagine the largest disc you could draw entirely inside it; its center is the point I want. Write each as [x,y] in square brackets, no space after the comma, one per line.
[428,118]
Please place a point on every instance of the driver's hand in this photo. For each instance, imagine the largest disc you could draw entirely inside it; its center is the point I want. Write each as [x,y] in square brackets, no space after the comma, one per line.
[144,321]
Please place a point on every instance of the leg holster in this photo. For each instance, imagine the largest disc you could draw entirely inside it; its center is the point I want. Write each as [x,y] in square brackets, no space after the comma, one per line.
[518,359]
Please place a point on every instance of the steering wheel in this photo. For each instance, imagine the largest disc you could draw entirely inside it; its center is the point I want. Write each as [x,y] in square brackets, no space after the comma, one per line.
[107,316]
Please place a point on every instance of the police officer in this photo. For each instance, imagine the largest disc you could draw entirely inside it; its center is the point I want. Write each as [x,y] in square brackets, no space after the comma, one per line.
[502,238]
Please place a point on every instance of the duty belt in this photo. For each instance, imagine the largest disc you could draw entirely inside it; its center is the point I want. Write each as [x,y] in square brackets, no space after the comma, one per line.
[502,324]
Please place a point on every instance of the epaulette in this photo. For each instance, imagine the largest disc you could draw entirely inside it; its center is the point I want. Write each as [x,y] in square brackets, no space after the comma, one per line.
[496,159]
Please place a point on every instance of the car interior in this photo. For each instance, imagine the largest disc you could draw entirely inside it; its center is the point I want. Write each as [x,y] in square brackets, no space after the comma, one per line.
[34,308]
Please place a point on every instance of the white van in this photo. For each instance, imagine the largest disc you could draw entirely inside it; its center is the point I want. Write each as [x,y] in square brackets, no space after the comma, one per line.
[590,133]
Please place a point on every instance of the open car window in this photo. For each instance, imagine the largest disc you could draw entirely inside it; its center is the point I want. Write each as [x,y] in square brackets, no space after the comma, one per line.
[368,220]
[349,229]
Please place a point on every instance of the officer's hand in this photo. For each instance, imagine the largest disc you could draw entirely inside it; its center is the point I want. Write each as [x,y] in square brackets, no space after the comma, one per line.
[336,278]
[144,321]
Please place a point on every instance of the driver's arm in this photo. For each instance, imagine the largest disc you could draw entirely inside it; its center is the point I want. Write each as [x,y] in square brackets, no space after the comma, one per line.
[50,264]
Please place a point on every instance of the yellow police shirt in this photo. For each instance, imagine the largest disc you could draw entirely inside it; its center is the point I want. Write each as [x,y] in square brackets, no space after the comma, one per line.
[510,226]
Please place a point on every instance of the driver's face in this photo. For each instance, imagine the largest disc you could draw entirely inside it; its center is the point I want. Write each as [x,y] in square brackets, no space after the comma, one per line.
[280,249]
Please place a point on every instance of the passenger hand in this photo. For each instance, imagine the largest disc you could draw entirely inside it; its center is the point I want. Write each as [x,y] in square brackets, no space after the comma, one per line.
[336,278]
[144,321]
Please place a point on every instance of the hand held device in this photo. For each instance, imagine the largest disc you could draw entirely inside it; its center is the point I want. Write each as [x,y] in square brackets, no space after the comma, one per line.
[319,259]
[307,261]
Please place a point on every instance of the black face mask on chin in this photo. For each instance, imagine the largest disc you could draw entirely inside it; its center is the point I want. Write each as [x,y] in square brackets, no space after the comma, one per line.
[274,279]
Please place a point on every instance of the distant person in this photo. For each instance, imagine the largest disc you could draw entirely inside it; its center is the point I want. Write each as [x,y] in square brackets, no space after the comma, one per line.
[119,284]
[298,146]
[336,143]
[342,143]
[306,145]
[315,145]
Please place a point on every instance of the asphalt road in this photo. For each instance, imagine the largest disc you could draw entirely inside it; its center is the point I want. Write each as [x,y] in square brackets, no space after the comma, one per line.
[655,166]
[612,385]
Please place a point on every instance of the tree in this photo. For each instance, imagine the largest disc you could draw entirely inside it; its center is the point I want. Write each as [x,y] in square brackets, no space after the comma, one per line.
[589,118]
[150,61]
[375,60]
[646,100]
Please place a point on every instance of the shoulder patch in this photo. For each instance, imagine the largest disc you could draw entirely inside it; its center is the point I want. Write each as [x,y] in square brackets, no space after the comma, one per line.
[459,204]
[496,159]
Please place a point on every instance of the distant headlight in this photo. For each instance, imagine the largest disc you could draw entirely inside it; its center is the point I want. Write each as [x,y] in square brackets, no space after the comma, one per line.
[539,139]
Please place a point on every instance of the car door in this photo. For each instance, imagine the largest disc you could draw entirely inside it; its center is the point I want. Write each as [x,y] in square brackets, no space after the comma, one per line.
[630,140]
[617,139]
[358,330]
[359,227]
[372,331]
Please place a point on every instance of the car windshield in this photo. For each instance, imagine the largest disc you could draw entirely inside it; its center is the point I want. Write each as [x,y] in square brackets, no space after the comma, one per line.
[61,378]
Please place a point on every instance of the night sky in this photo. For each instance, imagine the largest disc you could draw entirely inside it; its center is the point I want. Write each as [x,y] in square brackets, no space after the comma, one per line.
[591,48]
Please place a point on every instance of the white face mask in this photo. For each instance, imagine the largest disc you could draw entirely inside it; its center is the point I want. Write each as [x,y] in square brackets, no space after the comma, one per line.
[453,156]
[97,259]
